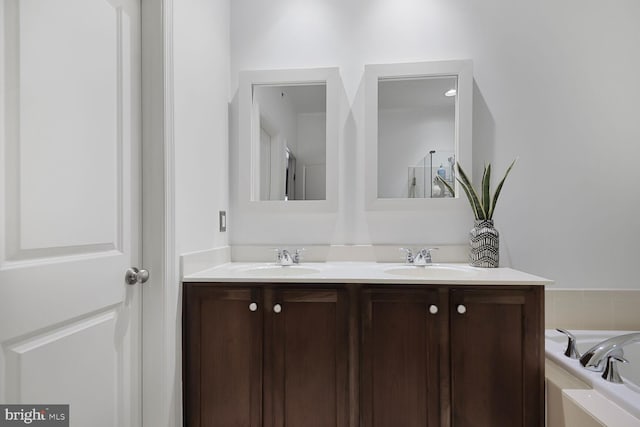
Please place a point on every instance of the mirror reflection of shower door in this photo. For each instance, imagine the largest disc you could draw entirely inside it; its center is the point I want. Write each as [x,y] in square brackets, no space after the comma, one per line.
[421,182]
[418,182]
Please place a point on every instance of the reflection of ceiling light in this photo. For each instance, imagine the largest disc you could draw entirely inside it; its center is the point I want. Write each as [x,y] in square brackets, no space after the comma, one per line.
[451,92]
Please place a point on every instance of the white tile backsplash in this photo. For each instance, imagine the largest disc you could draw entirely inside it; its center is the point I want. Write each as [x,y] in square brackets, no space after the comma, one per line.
[333,253]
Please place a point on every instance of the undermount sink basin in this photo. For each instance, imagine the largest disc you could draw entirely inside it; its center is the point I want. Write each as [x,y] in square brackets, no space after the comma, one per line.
[431,271]
[280,270]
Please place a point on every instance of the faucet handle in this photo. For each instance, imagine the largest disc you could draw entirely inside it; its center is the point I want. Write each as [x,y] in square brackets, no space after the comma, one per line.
[408,255]
[297,255]
[425,255]
[428,251]
[571,350]
[611,370]
[283,256]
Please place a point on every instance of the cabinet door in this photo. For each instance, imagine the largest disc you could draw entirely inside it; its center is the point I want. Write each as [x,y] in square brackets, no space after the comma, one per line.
[306,358]
[400,357]
[497,357]
[222,342]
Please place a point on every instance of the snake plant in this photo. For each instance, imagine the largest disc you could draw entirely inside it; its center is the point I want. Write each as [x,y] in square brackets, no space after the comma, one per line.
[483,207]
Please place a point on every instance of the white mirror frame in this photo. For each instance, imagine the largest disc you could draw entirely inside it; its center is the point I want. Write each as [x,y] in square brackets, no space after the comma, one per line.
[248,151]
[373,72]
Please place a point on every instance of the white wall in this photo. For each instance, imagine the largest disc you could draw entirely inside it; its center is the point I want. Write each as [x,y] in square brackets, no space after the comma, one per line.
[201,67]
[548,79]
[555,84]
[201,93]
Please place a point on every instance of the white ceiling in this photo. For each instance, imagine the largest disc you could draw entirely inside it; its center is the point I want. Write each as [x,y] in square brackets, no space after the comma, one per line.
[303,98]
[424,92]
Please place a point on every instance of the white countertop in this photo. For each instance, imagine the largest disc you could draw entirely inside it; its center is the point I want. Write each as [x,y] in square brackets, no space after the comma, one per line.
[365,272]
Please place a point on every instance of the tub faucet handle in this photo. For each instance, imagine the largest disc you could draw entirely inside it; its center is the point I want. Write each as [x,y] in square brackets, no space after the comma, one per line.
[571,351]
[611,370]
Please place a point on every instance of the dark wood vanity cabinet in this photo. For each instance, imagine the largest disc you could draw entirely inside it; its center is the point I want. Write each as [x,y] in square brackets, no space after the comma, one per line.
[363,355]
[222,356]
[306,358]
[400,355]
[265,356]
[454,357]
[497,357]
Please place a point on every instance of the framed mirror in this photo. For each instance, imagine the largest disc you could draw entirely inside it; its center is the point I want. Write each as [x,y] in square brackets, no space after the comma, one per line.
[417,126]
[288,139]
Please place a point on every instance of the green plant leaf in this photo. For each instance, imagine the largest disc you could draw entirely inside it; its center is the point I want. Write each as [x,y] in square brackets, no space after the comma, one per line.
[446,184]
[471,193]
[486,193]
[475,208]
[498,190]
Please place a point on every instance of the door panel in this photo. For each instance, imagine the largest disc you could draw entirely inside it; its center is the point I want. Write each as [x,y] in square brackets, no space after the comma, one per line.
[68,115]
[496,353]
[39,366]
[222,341]
[400,358]
[69,147]
[309,354]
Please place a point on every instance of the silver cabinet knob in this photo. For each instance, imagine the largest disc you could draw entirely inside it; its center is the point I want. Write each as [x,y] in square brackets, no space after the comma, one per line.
[462,309]
[134,275]
[277,308]
[253,306]
[433,309]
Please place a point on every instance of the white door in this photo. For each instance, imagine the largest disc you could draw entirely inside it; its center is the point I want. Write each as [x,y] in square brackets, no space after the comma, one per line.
[69,207]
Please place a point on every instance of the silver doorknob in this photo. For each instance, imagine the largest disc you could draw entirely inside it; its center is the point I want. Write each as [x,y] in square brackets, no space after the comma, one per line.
[134,275]
[277,308]
[462,309]
[433,309]
[253,306]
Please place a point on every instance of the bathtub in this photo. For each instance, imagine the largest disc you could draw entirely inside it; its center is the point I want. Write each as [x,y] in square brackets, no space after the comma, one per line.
[626,395]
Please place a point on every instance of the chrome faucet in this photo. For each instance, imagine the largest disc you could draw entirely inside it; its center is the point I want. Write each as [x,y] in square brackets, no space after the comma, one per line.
[408,255]
[422,257]
[611,370]
[284,257]
[595,359]
[571,350]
